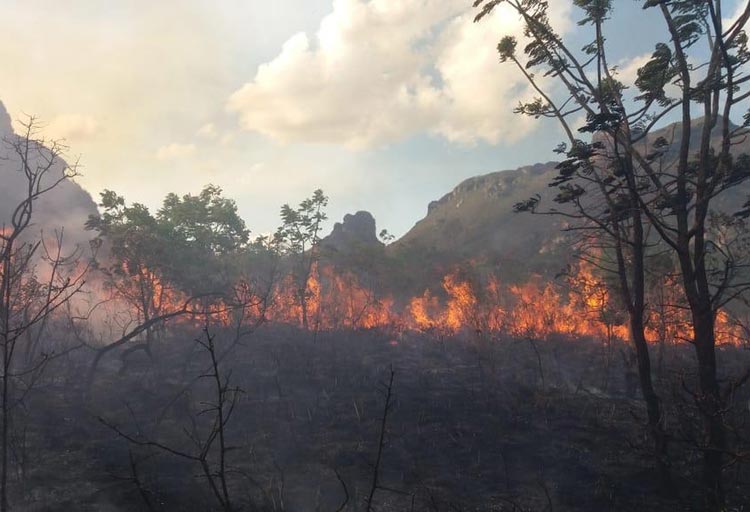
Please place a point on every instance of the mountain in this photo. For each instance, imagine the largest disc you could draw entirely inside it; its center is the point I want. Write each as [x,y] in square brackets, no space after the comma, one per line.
[68,205]
[475,222]
[357,231]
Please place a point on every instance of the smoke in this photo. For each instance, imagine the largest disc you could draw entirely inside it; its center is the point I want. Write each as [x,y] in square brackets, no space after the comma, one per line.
[66,207]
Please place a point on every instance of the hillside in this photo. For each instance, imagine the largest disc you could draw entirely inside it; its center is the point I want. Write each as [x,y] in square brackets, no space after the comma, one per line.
[475,222]
[68,205]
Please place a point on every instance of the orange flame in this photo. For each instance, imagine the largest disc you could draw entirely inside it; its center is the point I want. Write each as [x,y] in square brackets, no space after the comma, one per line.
[584,307]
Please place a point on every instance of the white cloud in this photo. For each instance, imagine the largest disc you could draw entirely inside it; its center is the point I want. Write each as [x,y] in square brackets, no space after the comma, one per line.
[227,139]
[72,127]
[380,71]
[208,131]
[627,69]
[739,9]
[175,151]
[143,78]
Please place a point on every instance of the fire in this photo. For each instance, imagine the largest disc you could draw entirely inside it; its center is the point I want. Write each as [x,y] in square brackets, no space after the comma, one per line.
[539,312]
[462,303]
[585,308]
[533,309]
[334,301]
[581,307]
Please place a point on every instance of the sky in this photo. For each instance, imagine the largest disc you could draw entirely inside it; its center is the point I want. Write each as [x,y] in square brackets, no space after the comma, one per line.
[384,104]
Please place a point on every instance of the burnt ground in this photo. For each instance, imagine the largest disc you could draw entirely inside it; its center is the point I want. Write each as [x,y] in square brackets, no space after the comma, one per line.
[473,426]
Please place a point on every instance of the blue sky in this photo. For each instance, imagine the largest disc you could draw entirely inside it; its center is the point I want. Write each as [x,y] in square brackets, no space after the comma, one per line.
[384,104]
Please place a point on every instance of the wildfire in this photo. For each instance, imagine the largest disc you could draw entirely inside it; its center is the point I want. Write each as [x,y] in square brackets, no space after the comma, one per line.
[535,309]
[581,307]
[333,301]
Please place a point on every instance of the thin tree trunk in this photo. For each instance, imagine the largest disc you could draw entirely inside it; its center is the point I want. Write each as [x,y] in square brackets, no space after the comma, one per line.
[6,424]
[634,293]
[710,405]
[653,404]
[6,305]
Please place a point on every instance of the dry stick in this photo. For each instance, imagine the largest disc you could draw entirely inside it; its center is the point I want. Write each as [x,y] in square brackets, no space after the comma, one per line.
[222,410]
[346,492]
[137,482]
[101,352]
[538,360]
[381,443]
[36,161]
[544,487]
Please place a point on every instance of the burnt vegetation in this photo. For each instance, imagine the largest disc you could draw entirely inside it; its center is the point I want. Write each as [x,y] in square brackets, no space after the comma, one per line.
[179,363]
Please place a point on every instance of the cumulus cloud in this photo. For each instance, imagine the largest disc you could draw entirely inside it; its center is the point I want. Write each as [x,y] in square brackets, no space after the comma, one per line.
[208,131]
[379,71]
[627,69]
[738,10]
[73,127]
[175,151]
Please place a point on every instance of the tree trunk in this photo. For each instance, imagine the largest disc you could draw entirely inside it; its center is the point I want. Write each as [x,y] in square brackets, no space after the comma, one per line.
[303,306]
[653,404]
[6,425]
[6,271]
[711,405]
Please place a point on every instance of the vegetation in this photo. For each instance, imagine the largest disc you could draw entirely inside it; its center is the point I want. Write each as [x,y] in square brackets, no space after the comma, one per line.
[299,237]
[29,298]
[627,181]
[187,366]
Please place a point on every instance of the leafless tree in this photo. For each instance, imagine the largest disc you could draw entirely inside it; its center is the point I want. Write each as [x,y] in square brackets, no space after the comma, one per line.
[376,482]
[209,450]
[36,278]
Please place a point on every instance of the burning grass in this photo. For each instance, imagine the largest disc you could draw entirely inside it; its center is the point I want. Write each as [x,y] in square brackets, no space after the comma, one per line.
[581,307]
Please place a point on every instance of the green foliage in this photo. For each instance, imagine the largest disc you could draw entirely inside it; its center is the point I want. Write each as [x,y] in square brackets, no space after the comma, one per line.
[188,245]
[207,221]
[536,108]
[300,228]
[578,162]
[507,48]
[298,237]
[596,11]
[134,237]
[655,75]
[385,236]
[528,205]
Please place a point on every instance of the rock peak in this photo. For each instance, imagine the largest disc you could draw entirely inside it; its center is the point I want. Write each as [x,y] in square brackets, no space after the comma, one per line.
[5,125]
[357,230]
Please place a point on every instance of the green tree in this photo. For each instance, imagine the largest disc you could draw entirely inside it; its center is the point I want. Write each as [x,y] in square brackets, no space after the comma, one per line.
[299,236]
[138,256]
[207,235]
[668,186]
[186,259]
[207,221]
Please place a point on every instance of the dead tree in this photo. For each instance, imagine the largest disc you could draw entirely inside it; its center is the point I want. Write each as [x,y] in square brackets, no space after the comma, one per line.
[132,334]
[27,299]
[376,484]
[210,452]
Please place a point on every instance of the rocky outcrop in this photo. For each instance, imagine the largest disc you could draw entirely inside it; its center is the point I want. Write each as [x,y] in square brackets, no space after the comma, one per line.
[476,221]
[356,232]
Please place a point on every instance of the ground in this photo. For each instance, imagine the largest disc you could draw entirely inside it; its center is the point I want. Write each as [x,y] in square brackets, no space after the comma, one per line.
[476,424]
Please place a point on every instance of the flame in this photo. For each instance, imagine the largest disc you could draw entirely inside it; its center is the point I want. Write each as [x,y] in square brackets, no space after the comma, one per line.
[334,301]
[581,307]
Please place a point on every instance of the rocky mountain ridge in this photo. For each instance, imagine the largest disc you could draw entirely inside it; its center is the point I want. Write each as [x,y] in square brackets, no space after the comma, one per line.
[67,206]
